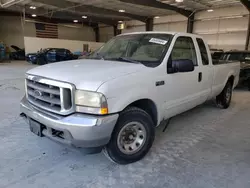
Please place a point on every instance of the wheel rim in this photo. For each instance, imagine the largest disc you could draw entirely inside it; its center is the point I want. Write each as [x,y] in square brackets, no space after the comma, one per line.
[228,94]
[131,138]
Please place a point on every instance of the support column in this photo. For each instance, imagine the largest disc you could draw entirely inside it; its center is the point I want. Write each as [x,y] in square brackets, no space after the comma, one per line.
[190,23]
[248,34]
[150,24]
[116,31]
[97,34]
[119,31]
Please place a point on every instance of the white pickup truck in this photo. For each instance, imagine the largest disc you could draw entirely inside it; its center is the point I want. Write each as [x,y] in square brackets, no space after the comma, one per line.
[117,97]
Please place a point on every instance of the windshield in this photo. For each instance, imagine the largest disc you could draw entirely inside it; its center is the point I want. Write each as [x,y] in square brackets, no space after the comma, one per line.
[147,49]
[44,50]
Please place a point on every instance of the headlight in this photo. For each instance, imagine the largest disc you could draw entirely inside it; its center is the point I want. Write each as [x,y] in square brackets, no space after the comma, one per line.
[90,102]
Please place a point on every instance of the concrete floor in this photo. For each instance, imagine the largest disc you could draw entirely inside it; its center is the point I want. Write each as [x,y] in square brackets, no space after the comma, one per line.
[206,147]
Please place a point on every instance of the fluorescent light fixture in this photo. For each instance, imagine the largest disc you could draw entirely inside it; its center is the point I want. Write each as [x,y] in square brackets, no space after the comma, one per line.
[222,17]
[32,7]
[210,10]
[238,16]
[33,15]
[84,17]
[179,1]
[121,10]
[75,21]
[157,17]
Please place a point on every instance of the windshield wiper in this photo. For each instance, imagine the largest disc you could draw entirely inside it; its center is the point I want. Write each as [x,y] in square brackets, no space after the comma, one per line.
[96,56]
[101,56]
[128,60]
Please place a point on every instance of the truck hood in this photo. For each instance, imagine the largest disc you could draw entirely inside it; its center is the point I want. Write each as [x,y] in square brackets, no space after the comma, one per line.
[86,74]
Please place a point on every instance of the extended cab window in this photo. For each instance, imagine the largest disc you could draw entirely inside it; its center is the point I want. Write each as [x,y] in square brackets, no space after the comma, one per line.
[203,50]
[184,49]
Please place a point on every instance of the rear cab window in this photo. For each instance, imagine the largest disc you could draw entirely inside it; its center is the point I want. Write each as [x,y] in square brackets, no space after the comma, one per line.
[203,51]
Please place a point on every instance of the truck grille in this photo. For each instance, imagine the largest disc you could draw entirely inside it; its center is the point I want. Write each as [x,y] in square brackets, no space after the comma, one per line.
[50,95]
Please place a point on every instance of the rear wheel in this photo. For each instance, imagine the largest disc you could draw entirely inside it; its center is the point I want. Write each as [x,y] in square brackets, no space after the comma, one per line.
[132,137]
[223,100]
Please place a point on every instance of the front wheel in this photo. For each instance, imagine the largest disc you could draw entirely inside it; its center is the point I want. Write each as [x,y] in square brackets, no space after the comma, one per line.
[132,137]
[223,100]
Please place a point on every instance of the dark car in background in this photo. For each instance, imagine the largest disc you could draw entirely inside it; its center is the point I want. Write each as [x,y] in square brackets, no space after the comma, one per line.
[216,54]
[18,54]
[244,58]
[50,55]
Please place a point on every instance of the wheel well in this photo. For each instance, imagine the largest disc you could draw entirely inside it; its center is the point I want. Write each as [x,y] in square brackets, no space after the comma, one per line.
[231,80]
[148,106]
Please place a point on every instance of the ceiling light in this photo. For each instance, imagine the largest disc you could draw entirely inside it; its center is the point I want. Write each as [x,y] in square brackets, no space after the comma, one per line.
[179,1]
[32,7]
[210,10]
[75,21]
[84,17]
[237,16]
[157,17]
[121,10]
[120,21]
[33,15]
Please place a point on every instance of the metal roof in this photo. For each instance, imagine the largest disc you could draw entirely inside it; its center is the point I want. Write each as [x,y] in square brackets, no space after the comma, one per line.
[202,4]
[107,11]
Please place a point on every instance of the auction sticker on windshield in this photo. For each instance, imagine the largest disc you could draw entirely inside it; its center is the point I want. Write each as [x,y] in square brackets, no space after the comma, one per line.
[158,41]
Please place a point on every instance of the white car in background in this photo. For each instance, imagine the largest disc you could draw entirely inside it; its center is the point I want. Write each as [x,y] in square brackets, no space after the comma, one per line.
[117,97]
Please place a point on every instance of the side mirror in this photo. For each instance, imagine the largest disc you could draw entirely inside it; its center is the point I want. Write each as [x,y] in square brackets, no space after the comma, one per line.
[182,65]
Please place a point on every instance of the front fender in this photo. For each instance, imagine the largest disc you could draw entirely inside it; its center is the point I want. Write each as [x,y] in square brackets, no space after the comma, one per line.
[118,104]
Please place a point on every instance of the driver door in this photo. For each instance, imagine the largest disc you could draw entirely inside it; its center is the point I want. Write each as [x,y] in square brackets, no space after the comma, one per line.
[183,88]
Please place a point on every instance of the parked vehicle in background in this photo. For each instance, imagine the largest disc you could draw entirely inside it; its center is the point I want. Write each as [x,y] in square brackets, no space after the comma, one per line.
[2,51]
[216,53]
[50,55]
[117,97]
[18,54]
[82,55]
[244,58]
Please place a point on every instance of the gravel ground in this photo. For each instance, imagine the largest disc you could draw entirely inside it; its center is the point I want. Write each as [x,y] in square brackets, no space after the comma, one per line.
[205,147]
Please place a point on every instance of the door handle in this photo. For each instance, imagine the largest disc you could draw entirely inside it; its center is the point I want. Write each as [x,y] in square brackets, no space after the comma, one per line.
[200,77]
[159,83]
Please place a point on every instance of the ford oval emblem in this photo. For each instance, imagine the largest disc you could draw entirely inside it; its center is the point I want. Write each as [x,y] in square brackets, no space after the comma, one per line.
[38,93]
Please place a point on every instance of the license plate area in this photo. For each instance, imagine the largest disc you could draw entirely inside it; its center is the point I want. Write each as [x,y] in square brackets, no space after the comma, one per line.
[35,127]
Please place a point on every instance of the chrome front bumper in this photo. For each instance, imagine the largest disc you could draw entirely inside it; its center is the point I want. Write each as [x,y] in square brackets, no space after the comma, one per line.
[79,130]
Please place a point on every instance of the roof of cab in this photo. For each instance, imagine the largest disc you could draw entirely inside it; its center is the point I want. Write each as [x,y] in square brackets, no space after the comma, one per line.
[162,32]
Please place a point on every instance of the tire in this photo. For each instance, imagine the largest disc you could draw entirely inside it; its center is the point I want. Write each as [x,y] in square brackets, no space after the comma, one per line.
[223,100]
[132,137]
